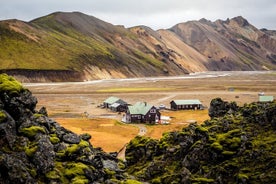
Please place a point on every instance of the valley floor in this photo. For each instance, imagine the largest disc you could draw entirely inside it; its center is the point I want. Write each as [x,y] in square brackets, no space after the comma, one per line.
[75,105]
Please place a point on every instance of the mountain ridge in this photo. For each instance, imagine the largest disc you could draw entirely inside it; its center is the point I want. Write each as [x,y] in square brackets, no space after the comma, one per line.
[67,42]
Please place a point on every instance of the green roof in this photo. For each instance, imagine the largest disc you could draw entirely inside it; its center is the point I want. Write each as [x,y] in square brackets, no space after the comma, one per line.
[266,98]
[111,100]
[139,108]
[186,102]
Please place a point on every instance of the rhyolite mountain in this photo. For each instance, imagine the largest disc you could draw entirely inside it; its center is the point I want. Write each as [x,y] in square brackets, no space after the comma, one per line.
[236,145]
[77,47]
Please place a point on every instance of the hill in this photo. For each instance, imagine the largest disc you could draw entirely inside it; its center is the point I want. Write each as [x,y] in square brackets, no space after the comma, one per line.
[77,47]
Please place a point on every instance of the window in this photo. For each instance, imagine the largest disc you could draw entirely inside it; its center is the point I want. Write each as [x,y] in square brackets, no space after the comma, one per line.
[152,111]
[139,116]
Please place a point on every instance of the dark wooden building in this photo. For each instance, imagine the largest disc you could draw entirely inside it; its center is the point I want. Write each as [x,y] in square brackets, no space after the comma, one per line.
[142,112]
[119,107]
[185,104]
[115,104]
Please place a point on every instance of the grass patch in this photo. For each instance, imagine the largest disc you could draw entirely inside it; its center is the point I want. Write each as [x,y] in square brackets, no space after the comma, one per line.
[111,137]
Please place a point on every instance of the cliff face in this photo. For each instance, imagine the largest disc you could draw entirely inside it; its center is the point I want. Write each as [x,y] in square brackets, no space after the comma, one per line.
[36,149]
[237,145]
[90,48]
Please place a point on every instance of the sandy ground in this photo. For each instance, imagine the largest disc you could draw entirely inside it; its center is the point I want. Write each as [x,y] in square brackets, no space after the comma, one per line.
[74,100]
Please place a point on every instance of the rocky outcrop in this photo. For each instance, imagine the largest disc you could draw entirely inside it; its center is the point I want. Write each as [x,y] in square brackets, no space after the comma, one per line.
[36,149]
[236,145]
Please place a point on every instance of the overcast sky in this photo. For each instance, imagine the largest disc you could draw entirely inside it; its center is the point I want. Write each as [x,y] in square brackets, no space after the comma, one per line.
[153,13]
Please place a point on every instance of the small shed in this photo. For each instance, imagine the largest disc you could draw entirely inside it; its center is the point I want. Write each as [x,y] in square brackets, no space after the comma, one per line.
[118,107]
[115,104]
[266,98]
[186,104]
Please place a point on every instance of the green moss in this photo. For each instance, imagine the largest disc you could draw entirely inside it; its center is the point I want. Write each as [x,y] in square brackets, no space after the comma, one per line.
[132,182]
[37,115]
[217,146]
[33,172]
[31,149]
[75,169]
[9,84]
[110,174]
[201,129]
[54,175]
[242,176]
[57,173]
[139,141]
[203,180]
[79,180]
[83,143]
[72,149]
[2,116]
[32,131]
[228,153]
[156,181]
[54,140]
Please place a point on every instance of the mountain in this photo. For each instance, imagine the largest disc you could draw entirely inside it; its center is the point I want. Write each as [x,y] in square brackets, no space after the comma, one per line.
[77,47]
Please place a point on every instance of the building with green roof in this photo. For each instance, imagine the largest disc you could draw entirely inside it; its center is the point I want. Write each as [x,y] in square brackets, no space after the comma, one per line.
[266,98]
[186,104]
[115,104]
[142,112]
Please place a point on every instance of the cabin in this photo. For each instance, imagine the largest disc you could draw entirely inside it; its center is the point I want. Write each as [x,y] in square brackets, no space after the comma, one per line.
[115,104]
[266,98]
[118,107]
[142,112]
[186,104]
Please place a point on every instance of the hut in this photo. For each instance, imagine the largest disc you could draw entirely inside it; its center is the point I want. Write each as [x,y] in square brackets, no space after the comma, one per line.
[186,104]
[141,112]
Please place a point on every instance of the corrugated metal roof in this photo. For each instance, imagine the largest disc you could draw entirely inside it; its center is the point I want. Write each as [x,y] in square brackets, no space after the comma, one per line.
[111,100]
[187,102]
[139,108]
[266,98]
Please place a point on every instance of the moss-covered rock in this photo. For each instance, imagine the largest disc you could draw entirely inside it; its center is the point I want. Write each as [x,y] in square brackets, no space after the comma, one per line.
[2,116]
[36,149]
[9,84]
[32,131]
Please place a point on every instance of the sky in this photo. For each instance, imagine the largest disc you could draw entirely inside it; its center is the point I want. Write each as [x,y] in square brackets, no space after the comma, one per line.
[157,14]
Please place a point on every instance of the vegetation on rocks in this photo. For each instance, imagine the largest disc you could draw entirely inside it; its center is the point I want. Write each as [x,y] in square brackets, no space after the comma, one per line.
[9,84]
[36,149]
[237,145]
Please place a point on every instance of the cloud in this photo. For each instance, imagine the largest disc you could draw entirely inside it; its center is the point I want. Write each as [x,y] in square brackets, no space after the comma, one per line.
[153,13]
